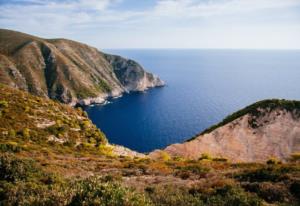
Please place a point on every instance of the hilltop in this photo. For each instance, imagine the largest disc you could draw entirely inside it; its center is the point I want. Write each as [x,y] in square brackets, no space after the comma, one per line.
[68,71]
[265,129]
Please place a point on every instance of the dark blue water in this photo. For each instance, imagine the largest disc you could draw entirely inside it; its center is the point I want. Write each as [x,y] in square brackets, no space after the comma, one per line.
[203,86]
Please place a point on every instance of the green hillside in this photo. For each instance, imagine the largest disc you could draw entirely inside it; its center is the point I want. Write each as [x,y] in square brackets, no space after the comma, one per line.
[28,120]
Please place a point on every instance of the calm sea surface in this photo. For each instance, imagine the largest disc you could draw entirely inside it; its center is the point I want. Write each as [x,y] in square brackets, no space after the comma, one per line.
[203,86]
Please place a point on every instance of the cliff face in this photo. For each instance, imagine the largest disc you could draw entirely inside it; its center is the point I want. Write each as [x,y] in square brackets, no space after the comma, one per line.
[269,129]
[131,75]
[68,71]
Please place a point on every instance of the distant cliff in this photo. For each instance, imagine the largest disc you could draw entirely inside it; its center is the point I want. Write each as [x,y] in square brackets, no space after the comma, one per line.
[66,70]
[266,129]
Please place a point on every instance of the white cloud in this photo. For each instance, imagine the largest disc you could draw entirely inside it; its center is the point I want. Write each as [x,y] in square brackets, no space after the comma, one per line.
[196,8]
[57,17]
[170,23]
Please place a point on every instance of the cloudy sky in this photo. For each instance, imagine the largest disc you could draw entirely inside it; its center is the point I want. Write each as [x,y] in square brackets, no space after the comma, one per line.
[259,24]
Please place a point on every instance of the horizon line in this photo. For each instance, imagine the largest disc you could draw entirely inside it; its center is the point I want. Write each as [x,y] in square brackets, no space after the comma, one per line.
[166,48]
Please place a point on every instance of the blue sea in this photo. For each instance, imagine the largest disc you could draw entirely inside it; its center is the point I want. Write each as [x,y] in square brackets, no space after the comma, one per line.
[203,87]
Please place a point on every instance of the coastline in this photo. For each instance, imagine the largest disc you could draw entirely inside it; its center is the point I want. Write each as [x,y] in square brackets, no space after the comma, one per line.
[101,99]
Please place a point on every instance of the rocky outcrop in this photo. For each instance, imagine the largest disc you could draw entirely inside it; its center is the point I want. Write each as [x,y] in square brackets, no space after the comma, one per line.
[66,70]
[261,131]
[124,151]
[131,75]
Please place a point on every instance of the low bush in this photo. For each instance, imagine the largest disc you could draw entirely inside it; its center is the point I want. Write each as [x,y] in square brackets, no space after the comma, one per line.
[24,183]
[175,196]
[295,188]
[295,157]
[13,169]
[205,156]
[225,196]
[220,159]
[93,192]
[10,147]
[272,161]
[186,171]
[26,133]
[3,104]
[270,173]
[270,192]
[232,196]
[12,133]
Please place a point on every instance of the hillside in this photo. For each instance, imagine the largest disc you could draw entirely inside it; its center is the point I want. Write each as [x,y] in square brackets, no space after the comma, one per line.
[27,119]
[51,154]
[266,129]
[68,71]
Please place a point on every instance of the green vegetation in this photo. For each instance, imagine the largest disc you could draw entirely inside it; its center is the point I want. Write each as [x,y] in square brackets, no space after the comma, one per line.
[10,147]
[23,182]
[253,110]
[3,104]
[51,154]
[103,86]
[48,180]
[32,120]
[295,157]
[205,156]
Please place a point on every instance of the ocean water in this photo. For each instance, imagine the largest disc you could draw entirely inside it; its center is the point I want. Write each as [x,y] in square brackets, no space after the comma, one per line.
[203,86]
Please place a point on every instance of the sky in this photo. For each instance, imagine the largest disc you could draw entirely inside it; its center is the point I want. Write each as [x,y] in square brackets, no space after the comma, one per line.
[105,24]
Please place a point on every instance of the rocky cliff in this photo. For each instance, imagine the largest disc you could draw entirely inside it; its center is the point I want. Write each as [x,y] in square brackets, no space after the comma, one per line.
[264,130]
[66,70]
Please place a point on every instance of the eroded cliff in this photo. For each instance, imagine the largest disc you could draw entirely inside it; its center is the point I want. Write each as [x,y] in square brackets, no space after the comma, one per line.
[264,130]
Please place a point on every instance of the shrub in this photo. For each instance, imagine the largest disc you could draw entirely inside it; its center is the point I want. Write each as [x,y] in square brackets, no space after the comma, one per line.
[220,159]
[26,133]
[58,130]
[85,114]
[164,156]
[70,143]
[195,169]
[295,188]
[59,123]
[272,161]
[26,109]
[93,192]
[3,104]
[149,189]
[270,192]
[106,150]
[13,169]
[85,124]
[32,193]
[10,147]
[295,157]
[96,137]
[12,133]
[205,156]
[270,173]
[233,196]
[170,195]
[179,159]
